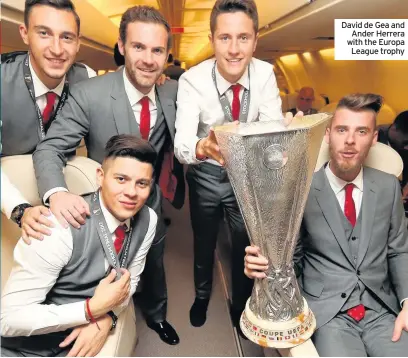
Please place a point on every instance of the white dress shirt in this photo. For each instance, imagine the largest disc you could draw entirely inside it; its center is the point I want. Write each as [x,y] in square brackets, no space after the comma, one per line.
[10,195]
[338,186]
[35,271]
[199,107]
[135,96]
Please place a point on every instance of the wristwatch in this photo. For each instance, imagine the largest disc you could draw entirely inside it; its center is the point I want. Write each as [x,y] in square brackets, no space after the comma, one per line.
[18,212]
[114,320]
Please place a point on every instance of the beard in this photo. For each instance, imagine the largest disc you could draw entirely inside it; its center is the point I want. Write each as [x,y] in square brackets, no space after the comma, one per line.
[347,165]
[140,81]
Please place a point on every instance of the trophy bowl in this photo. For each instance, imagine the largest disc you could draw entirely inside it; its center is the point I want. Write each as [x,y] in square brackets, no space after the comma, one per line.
[270,168]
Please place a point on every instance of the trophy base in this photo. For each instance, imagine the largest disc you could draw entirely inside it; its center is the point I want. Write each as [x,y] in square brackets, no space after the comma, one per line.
[278,334]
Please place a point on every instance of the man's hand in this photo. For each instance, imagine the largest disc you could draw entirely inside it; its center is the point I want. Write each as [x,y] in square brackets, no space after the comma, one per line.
[208,147]
[35,224]
[401,323]
[69,208]
[110,293]
[255,263]
[162,79]
[289,117]
[89,340]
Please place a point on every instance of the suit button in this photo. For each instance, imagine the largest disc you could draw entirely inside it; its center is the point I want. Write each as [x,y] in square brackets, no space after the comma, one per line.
[343,295]
[358,272]
[353,238]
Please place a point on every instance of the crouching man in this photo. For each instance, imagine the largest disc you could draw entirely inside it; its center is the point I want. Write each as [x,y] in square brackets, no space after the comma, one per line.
[64,293]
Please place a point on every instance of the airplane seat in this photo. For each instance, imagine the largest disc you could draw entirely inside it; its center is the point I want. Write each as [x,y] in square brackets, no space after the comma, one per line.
[319,102]
[291,100]
[329,108]
[80,176]
[284,100]
[380,156]
[386,115]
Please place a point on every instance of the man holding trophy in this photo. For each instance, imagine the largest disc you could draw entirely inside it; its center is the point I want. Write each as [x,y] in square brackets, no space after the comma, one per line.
[233,87]
[352,255]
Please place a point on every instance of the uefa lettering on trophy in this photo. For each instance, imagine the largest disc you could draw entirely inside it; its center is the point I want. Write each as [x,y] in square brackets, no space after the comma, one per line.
[270,168]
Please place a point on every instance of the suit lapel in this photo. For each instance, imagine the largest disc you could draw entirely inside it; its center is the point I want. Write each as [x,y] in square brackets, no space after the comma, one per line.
[369,204]
[122,112]
[168,108]
[328,203]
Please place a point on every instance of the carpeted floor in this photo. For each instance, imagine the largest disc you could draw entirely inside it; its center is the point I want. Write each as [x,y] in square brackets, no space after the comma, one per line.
[216,337]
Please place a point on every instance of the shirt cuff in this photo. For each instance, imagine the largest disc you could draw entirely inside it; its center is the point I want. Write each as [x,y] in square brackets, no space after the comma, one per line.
[73,314]
[52,191]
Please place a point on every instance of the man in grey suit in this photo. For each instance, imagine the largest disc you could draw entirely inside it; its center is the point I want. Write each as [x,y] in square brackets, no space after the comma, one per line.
[123,102]
[34,87]
[352,254]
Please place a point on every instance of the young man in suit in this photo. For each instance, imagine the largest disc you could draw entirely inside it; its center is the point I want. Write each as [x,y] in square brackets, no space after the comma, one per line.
[126,101]
[352,254]
[34,87]
[53,304]
[232,87]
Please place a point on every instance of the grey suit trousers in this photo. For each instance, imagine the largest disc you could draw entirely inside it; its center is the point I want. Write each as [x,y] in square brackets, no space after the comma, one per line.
[211,192]
[344,337]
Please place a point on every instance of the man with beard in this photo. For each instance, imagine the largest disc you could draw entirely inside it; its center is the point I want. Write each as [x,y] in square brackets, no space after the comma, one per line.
[123,102]
[34,87]
[352,255]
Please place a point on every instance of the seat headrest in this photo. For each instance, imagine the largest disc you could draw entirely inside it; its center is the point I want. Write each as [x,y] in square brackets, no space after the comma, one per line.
[80,175]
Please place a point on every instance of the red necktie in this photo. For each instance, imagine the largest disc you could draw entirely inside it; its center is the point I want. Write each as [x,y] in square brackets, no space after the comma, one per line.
[51,97]
[357,312]
[349,207]
[120,233]
[236,105]
[145,118]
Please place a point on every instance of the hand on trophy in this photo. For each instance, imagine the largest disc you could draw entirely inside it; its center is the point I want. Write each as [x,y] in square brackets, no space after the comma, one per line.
[255,263]
[289,117]
[208,147]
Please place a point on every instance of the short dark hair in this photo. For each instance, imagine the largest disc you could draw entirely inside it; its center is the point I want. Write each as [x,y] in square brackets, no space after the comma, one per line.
[227,6]
[117,56]
[170,58]
[130,146]
[145,14]
[177,63]
[65,5]
[359,102]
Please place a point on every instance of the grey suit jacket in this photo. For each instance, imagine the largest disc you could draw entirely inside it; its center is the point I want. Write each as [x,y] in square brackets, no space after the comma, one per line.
[21,131]
[95,110]
[328,274]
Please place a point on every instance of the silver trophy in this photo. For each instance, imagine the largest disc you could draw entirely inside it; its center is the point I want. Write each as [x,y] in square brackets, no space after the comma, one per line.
[270,168]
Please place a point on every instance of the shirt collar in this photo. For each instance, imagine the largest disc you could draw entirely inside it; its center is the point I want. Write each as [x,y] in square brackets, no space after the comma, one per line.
[223,85]
[111,221]
[338,184]
[134,94]
[40,88]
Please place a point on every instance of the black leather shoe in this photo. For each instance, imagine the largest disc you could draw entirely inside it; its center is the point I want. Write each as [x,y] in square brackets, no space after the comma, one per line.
[165,331]
[198,312]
